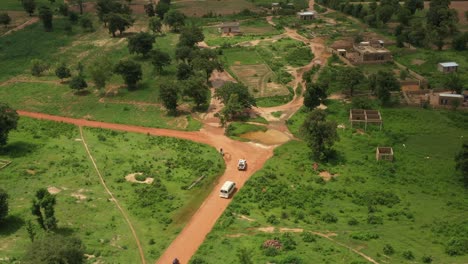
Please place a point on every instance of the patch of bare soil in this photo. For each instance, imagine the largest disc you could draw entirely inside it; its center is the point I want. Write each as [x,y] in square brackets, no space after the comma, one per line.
[417,62]
[25,24]
[53,190]
[269,229]
[291,230]
[269,137]
[131,178]
[244,217]
[236,235]
[360,131]
[79,194]
[327,175]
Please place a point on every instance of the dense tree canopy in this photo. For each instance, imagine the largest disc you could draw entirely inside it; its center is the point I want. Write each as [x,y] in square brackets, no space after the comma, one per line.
[155,24]
[351,77]
[314,94]
[175,19]
[57,249]
[189,36]
[224,93]
[46,16]
[141,43]
[159,59]
[5,19]
[169,94]
[383,83]
[29,6]
[106,7]
[130,71]
[78,83]
[62,71]
[319,133]
[196,88]
[101,71]
[118,22]
[8,121]
[43,208]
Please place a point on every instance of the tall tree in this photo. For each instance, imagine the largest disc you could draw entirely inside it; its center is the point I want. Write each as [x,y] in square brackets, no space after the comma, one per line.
[224,93]
[183,71]
[161,9]
[107,7]
[130,71]
[29,6]
[454,82]
[8,121]
[141,43]
[80,4]
[101,71]
[46,15]
[3,205]
[118,22]
[155,24]
[205,60]
[159,59]
[55,248]
[413,5]
[175,19]
[150,10]
[78,83]
[196,88]
[319,134]
[189,36]
[5,19]
[351,77]
[169,94]
[62,71]
[315,93]
[383,83]
[461,160]
[43,208]
[441,21]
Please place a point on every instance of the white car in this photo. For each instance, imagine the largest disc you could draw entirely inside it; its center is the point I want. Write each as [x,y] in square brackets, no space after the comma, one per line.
[242,164]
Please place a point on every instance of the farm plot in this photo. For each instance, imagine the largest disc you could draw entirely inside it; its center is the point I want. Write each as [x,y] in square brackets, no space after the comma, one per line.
[51,155]
[388,212]
[198,8]
[258,78]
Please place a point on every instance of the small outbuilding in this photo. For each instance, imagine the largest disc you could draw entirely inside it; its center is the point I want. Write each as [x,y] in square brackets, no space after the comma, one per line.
[450,99]
[447,67]
[366,117]
[306,15]
[384,153]
[341,52]
[230,28]
[275,6]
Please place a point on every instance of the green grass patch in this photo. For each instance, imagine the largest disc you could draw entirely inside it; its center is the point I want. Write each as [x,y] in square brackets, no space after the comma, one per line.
[277,114]
[49,154]
[409,204]
[236,129]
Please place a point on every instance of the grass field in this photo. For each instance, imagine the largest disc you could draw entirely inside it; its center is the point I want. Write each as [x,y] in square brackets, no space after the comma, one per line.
[47,94]
[47,154]
[16,5]
[199,8]
[414,204]
[425,62]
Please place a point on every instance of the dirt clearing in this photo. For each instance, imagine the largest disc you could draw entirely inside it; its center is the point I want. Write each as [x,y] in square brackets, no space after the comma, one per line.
[132,178]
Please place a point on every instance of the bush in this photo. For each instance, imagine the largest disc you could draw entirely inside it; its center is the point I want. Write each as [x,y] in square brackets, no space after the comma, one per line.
[426,259]
[273,220]
[38,67]
[408,255]
[329,218]
[374,219]
[308,237]
[140,177]
[291,260]
[364,236]
[288,242]
[353,221]
[457,246]
[270,251]
[388,249]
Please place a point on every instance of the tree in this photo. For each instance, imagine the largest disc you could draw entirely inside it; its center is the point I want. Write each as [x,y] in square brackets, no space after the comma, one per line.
[46,15]
[351,77]
[231,109]
[8,121]
[404,16]
[86,23]
[161,9]
[141,43]
[459,41]
[38,67]
[189,36]
[106,7]
[130,71]
[175,19]
[382,84]
[78,83]
[245,256]
[43,208]
[150,10]
[159,59]
[62,71]
[80,4]
[169,94]
[29,6]
[413,5]
[441,21]
[155,24]
[196,88]
[31,230]
[63,9]
[5,19]
[319,133]
[101,71]
[184,53]
[3,205]
[224,93]
[314,95]
[206,60]
[55,248]
[183,71]
[118,22]
[385,12]
[461,161]
[454,83]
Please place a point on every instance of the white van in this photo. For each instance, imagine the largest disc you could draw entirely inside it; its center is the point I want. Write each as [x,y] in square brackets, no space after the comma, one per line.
[227,188]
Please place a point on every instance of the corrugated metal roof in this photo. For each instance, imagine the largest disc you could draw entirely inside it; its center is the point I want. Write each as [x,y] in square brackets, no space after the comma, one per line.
[306,13]
[449,64]
[451,95]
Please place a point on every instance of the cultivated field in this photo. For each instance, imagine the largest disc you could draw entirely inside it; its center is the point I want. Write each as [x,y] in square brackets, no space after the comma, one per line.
[51,155]
[353,207]
[198,8]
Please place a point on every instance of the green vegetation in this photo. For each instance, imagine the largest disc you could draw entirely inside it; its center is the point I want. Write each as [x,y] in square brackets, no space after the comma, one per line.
[49,154]
[236,129]
[370,206]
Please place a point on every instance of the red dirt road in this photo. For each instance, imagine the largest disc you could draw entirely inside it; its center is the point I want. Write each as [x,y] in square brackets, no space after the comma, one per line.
[201,223]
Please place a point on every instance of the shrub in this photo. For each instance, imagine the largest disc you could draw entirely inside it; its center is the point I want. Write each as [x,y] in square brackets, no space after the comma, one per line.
[374,219]
[273,220]
[270,251]
[408,255]
[288,242]
[426,259]
[329,218]
[388,249]
[308,237]
[38,67]
[457,246]
[353,221]
[140,177]
[364,236]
